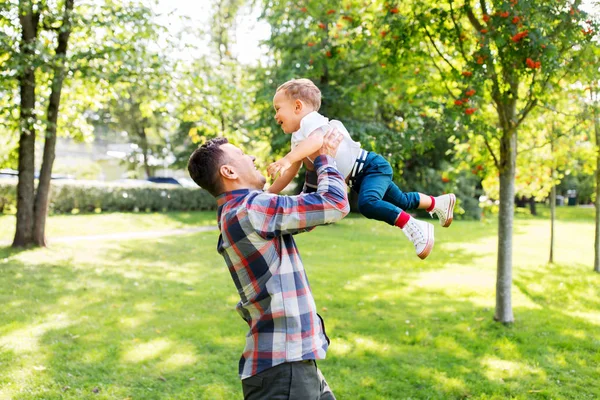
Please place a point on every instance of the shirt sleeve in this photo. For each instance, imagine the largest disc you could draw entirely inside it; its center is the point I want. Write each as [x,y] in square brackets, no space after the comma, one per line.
[273,215]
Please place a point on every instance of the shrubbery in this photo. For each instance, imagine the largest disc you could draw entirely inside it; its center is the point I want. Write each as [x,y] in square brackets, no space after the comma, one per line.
[89,196]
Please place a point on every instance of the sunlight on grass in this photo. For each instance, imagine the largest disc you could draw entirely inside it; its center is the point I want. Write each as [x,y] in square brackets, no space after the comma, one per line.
[154,319]
[183,355]
[450,345]
[134,322]
[505,348]
[106,223]
[139,352]
[589,317]
[451,386]
[27,339]
[498,369]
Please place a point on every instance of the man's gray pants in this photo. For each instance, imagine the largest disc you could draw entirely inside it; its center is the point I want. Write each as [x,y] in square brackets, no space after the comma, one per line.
[300,380]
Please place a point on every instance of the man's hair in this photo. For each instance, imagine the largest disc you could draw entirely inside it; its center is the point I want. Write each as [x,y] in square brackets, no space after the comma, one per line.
[302,89]
[204,164]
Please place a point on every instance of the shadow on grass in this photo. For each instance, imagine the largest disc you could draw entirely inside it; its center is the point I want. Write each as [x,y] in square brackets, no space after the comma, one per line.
[154,320]
[9,251]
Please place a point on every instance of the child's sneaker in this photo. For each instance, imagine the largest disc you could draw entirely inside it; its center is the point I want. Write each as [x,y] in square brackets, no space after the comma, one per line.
[421,234]
[444,209]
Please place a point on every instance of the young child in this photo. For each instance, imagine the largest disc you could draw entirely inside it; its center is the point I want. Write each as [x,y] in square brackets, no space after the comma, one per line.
[296,104]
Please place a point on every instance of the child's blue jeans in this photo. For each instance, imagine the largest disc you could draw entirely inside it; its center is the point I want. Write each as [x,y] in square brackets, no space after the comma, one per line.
[378,196]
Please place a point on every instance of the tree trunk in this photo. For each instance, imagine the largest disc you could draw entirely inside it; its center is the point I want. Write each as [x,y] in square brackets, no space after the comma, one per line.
[552,218]
[25,188]
[597,203]
[43,191]
[508,155]
[532,208]
[144,144]
[552,198]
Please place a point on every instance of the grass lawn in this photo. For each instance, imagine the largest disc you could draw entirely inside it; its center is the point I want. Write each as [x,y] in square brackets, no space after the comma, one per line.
[155,319]
[92,224]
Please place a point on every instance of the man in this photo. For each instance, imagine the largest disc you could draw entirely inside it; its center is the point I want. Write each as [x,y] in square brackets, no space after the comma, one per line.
[286,334]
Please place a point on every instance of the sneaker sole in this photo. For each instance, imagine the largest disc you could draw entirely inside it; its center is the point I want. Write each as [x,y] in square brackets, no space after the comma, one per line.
[429,246]
[450,211]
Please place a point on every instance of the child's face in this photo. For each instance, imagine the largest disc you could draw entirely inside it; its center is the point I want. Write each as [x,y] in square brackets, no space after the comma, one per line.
[288,112]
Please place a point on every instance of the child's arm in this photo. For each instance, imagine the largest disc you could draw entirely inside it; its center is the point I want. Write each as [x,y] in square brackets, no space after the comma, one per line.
[305,148]
[285,178]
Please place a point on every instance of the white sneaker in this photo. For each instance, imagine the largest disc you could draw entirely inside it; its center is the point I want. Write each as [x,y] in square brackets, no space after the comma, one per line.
[421,234]
[444,209]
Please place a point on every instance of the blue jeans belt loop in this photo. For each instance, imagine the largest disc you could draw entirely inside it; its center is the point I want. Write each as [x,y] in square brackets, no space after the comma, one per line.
[357,167]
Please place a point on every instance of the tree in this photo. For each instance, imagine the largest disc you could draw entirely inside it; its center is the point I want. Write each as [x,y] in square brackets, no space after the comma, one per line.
[141,98]
[501,58]
[367,77]
[44,54]
[214,92]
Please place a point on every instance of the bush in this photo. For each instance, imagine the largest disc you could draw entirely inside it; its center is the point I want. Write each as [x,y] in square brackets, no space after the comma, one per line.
[89,196]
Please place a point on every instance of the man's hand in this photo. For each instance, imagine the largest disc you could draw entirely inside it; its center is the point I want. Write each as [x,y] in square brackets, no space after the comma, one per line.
[278,167]
[331,142]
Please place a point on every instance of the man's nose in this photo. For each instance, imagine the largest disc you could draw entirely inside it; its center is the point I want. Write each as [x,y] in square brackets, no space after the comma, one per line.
[253,158]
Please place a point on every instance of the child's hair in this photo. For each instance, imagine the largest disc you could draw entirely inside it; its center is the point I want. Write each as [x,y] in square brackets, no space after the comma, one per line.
[302,89]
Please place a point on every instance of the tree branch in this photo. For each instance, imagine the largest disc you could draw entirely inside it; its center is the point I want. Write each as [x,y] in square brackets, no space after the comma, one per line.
[553,138]
[458,33]
[472,18]
[487,144]
[442,74]
[438,50]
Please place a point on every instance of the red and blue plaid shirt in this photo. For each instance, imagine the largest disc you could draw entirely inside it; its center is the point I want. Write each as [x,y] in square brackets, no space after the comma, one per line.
[261,254]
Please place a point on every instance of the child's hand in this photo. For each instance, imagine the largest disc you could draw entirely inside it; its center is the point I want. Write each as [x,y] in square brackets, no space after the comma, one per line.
[278,167]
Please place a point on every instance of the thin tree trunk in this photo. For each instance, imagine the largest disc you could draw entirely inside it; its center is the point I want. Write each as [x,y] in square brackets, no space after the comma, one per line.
[552,198]
[25,188]
[552,218]
[532,208]
[597,203]
[43,191]
[508,155]
[144,143]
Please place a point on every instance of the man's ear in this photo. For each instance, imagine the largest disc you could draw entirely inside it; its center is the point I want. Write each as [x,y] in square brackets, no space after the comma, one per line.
[298,106]
[228,172]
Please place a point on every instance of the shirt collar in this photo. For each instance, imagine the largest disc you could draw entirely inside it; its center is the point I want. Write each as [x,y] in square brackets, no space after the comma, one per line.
[228,196]
[308,117]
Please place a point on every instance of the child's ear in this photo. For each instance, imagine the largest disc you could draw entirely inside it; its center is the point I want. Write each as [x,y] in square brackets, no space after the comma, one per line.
[299,106]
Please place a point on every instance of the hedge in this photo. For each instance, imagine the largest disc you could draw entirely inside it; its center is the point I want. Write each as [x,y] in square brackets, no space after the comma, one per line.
[91,196]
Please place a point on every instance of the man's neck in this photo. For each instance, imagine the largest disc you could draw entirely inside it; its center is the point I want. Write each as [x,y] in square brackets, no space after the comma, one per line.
[230,187]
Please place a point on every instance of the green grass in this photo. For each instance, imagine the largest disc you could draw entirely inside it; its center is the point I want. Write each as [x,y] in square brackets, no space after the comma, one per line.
[155,319]
[87,225]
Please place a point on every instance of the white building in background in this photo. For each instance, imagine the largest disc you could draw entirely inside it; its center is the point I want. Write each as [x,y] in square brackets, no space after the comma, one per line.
[102,160]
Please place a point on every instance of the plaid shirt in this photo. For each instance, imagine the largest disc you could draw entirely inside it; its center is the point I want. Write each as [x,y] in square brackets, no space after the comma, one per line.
[261,254]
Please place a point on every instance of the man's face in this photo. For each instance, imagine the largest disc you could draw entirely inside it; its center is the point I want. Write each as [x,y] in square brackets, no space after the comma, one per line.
[286,113]
[243,165]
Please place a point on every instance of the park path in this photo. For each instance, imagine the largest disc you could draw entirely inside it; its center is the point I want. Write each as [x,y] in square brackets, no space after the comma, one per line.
[125,235]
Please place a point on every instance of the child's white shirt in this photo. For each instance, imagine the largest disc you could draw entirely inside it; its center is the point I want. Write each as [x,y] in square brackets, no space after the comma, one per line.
[348,151]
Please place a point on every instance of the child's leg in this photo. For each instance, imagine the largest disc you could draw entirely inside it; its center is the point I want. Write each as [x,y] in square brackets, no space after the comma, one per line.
[370,198]
[442,206]
[407,200]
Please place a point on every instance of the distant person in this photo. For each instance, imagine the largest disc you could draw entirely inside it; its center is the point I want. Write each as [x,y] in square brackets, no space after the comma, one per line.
[297,103]
[286,334]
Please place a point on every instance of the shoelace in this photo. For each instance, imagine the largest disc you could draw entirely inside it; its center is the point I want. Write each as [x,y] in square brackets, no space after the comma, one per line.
[416,234]
[437,212]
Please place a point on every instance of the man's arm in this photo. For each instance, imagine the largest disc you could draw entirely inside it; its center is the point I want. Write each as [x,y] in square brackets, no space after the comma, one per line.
[285,178]
[273,215]
[305,148]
